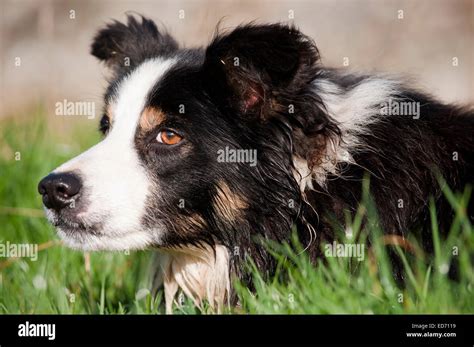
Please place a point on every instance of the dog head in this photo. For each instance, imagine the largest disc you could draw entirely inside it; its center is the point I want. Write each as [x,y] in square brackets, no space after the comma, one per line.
[199,144]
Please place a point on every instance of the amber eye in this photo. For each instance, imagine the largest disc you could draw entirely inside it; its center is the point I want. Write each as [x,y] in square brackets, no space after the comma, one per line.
[168,137]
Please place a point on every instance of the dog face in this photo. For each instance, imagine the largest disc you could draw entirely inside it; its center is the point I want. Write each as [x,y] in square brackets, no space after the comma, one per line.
[198,145]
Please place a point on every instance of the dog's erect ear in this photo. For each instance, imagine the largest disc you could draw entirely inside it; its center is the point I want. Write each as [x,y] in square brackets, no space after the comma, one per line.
[254,67]
[124,46]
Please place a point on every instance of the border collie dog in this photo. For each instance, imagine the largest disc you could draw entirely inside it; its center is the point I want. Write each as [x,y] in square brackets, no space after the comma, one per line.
[209,152]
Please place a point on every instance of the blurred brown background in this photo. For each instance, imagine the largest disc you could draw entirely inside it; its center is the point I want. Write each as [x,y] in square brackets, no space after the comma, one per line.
[56,65]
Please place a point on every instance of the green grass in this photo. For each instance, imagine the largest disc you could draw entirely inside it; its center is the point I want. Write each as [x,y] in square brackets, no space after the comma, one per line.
[68,281]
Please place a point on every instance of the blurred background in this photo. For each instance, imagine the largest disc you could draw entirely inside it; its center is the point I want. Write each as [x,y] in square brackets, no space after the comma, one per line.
[51,38]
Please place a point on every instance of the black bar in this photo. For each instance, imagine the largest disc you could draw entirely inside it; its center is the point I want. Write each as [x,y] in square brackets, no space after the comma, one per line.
[243,329]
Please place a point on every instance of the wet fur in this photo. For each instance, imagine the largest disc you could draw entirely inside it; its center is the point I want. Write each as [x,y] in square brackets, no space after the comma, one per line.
[311,160]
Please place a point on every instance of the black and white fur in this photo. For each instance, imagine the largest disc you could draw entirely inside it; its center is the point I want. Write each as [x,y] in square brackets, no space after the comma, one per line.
[317,133]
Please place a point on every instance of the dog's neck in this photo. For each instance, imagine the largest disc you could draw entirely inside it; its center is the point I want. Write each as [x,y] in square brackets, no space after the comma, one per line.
[201,273]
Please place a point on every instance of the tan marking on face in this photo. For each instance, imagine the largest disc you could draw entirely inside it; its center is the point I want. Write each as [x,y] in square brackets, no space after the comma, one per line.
[150,118]
[191,224]
[228,204]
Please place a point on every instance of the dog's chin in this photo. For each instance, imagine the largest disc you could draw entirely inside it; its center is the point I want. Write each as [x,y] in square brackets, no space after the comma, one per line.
[86,236]
[80,240]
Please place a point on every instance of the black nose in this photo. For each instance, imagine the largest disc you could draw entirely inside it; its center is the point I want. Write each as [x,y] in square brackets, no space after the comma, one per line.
[59,190]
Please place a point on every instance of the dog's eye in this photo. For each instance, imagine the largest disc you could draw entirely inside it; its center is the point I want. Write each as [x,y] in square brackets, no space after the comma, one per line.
[168,137]
[104,124]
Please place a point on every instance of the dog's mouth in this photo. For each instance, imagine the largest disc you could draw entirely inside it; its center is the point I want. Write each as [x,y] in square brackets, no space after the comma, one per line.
[72,226]
[80,233]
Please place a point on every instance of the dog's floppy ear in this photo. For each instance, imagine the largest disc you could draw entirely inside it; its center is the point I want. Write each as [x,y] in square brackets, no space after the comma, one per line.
[124,46]
[254,67]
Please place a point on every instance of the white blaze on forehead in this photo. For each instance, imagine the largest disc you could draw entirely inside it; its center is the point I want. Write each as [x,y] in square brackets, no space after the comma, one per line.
[115,184]
[132,94]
